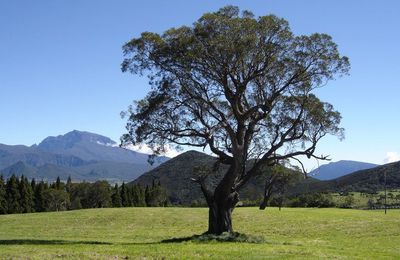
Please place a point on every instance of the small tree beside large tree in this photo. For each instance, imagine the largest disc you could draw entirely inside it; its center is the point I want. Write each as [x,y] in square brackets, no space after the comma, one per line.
[238,85]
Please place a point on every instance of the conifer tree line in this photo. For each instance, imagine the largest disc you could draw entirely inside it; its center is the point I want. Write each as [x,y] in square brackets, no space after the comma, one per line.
[19,195]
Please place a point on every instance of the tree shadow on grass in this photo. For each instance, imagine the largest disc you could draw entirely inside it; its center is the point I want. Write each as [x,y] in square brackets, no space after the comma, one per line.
[178,239]
[203,238]
[48,242]
[224,237]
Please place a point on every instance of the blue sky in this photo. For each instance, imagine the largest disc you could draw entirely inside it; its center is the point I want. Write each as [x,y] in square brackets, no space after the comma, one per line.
[60,65]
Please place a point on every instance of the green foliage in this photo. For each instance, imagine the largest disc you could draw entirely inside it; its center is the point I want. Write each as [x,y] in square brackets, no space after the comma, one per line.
[38,196]
[240,85]
[68,186]
[26,196]
[124,196]
[116,197]
[22,197]
[79,195]
[3,202]
[99,195]
[156,196]
[12,195]
[348,201]
[58,183]
[55,199]
[278,180]
[314,200]
[139,196]
[76,203]
[33,184]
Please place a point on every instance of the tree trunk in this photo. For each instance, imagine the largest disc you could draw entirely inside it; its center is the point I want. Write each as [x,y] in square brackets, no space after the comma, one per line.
[220,215]
[219,220]
[221,203]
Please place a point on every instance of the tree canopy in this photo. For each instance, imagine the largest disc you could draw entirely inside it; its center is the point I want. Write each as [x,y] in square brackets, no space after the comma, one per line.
[239,85]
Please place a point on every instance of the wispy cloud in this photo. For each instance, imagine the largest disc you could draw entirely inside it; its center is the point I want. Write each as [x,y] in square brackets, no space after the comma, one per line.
[392,157]
[146,150]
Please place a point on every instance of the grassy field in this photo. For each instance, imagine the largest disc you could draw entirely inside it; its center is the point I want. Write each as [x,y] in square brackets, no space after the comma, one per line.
[139,233]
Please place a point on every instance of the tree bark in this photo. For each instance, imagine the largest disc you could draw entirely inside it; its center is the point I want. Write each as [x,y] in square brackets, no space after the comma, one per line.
[220,214]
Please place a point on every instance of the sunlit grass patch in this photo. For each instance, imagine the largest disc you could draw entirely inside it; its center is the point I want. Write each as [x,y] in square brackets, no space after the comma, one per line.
[156,233]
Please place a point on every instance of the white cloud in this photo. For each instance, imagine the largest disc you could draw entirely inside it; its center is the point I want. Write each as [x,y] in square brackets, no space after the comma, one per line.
[146,150]
[106,144]
[392,157]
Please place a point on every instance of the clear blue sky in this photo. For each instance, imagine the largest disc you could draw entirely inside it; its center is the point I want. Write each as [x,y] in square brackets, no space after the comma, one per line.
[60,65]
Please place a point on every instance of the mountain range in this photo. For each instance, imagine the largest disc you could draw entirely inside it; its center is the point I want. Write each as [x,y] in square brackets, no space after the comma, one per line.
[368,180]
[334,170]
[81,155]
[89,157]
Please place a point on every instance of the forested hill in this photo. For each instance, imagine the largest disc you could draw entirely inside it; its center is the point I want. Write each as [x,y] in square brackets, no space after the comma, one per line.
[175,176]
[370,180]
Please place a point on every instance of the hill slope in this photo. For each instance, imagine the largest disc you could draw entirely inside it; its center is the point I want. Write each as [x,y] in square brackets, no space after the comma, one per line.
[369,180]
[334,170]
[175,176]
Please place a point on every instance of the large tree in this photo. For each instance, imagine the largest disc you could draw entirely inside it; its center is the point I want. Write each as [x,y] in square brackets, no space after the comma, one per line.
[239,86]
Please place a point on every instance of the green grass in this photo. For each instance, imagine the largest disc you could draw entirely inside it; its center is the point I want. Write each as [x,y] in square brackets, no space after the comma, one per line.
[139,233]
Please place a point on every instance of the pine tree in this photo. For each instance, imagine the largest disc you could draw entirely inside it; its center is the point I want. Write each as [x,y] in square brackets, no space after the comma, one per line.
[116,197]
[13,195]
[3,202]
[135,195]
[147,195]
[68,186]
[38,196]
[58,183]
[31,198]
[124,195]
[161,195]
[138,196]
[33,184]
[142,197]
[26,195]
[129,192]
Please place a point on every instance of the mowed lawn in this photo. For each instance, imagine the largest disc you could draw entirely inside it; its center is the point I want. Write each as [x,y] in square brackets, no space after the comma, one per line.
[138,233]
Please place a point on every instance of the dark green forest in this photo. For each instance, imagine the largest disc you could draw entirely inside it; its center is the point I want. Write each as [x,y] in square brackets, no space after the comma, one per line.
[18,195]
